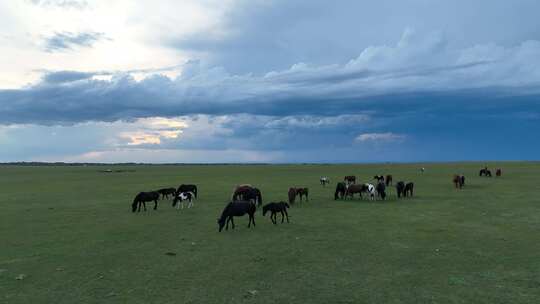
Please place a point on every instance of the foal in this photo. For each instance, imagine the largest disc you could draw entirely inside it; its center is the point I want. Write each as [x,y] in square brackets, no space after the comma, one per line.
[274,208]
[184,196]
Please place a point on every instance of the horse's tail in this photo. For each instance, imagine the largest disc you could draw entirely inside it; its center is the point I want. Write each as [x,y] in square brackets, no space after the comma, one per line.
[195,191]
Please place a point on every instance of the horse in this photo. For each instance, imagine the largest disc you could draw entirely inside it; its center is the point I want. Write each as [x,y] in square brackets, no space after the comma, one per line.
[379,178]
[498,173]
[389,180]
[293,192]
[187,188]
[165,192]
[143,197]
[350,179]
[236,208]
[341,188]
[352,189]
[274,208]
[422,169]
[370,191]
[183,196]
[459,181]
[324,180]
[400,189]
[247,193]
[408,189]
[381,190]
[484,172]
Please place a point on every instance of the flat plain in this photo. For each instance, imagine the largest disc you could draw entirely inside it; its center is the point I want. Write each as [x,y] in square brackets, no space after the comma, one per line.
[67,235]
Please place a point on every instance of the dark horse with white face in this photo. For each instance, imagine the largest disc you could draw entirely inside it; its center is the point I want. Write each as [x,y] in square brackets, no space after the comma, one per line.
[142,198]
[236,208]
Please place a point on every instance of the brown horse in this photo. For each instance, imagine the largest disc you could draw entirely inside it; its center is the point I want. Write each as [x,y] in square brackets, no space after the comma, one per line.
[350,179]
[293,192]
[459,181]
[498,173]
[248,193]
[353,189]
[388,180]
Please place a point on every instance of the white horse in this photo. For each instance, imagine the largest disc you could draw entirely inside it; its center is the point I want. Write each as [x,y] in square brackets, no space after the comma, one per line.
[184,196]
[371,191]
[324,180]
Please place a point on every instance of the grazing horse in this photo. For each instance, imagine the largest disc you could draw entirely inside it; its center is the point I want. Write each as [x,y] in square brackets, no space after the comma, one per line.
[293,192]
[408,189]
[324,180]
[379,178]
[459,181]
[247,193]
[165,192]
[236,208]
[352,189]
[350,179]
[400,189]
[341,188]
[187,188]
[274,208]
[381,190]
[389,180]
[183,196]
[485,172]
[142,198]
[498,173]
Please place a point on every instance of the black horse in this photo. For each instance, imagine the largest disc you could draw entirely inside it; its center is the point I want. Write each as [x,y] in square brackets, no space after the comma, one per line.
[186,188]
[400,189]
[409,187]
[381,190]
[484,172]
[274,208]
[236,208]
[165,192]
[341,188]
[379,178]
[142,198]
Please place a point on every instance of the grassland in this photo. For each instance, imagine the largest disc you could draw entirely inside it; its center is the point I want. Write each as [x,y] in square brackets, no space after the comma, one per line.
[70,231]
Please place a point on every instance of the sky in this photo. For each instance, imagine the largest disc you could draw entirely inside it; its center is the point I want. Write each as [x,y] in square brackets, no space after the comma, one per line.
[213,81]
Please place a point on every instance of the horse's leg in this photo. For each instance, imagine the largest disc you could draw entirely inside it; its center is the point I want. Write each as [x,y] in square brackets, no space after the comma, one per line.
[144,205]
[232,221]
[155,204]
[287,214]
[282,217]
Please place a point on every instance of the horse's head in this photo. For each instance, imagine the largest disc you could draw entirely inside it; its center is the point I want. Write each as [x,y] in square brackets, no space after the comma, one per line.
[221,223]
[265,209]
[134,206]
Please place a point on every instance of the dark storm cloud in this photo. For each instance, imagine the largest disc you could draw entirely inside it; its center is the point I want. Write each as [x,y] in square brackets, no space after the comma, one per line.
[260,36]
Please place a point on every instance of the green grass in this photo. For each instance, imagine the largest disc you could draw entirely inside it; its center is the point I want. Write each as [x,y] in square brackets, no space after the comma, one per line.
[70,231]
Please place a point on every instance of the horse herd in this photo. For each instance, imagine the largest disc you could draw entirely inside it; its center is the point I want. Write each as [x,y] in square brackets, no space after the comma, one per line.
[245,198]
[348,188]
